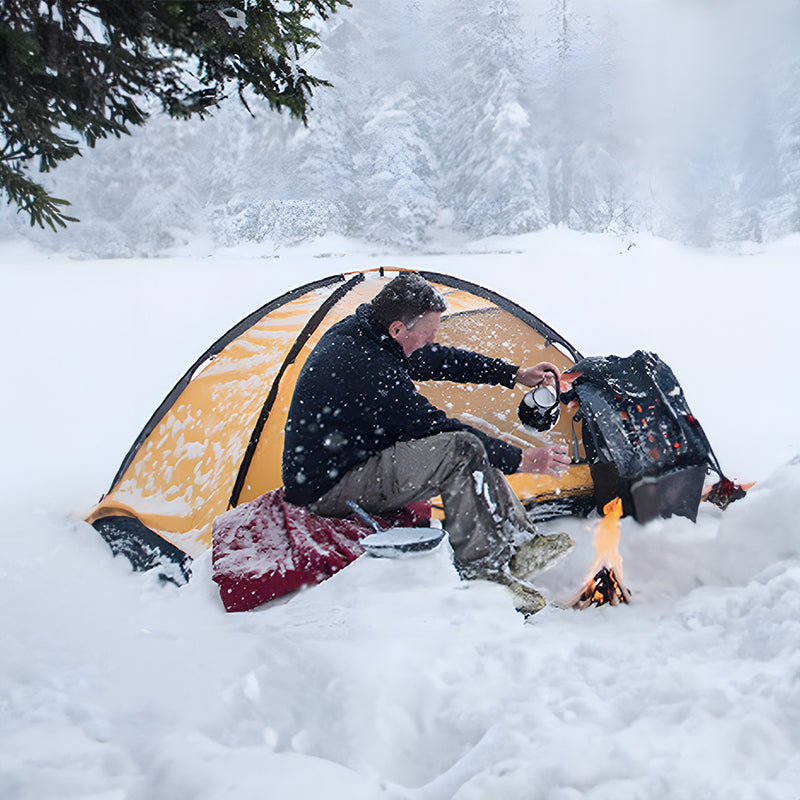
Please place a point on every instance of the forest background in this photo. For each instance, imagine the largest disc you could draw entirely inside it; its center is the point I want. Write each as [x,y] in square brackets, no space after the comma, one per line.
[453,120]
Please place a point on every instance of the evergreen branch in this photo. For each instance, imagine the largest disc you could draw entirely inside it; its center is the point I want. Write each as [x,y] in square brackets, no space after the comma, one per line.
[83,65]
[32,198]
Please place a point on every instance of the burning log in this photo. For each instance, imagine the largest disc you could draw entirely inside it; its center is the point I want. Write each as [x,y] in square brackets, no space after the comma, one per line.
[603,588]
[604,584]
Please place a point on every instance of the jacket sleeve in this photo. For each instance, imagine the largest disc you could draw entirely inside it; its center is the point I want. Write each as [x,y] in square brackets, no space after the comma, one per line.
[438,362]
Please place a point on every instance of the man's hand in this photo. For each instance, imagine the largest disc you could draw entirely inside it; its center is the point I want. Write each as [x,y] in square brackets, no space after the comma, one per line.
[552,460]
[544,372]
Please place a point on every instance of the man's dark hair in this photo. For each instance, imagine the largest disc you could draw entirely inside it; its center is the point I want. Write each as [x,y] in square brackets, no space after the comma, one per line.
[406,298]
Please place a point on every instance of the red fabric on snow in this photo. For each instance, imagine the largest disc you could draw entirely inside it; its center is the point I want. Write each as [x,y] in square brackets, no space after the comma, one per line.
[268,547]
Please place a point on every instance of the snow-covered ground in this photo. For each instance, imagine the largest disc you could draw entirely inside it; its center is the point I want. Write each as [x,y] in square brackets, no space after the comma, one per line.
[393,679]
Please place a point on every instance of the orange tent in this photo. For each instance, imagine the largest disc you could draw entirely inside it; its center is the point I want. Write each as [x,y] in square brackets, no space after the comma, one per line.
[216,440]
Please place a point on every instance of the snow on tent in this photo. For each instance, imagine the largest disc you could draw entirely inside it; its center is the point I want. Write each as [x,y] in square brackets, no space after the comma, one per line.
[216,441]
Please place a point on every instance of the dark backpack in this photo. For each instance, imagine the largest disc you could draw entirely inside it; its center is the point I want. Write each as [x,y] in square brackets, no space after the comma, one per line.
[642,442]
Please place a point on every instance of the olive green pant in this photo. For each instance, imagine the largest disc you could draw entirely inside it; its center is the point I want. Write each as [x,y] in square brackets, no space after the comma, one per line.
[483,517]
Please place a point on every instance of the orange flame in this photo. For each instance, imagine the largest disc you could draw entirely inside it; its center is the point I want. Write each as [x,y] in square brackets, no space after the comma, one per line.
[604,582]
[606,539]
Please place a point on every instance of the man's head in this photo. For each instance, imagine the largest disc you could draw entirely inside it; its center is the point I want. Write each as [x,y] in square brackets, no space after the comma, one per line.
[410,309]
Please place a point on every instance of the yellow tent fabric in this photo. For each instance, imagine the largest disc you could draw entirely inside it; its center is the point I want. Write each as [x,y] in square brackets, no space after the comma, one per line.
[216,440]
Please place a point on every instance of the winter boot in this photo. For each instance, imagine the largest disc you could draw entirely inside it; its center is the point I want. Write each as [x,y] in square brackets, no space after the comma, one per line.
[538,554]
[526,599]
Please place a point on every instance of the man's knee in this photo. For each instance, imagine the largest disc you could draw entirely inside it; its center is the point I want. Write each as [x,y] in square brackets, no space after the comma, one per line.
[468,447]
[455,452]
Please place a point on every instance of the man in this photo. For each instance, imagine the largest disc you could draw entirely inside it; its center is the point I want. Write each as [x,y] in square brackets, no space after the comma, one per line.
[358,430]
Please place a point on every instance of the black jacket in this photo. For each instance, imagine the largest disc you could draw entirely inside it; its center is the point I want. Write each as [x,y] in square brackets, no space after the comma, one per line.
[355,396]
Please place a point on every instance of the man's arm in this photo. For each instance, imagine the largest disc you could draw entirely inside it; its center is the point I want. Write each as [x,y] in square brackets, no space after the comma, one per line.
[440,363]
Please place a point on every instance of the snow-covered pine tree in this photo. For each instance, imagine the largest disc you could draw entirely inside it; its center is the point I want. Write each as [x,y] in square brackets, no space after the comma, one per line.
[765,197]
[786,207]
[320,158]
[583,117]
[491,168]
[395,167]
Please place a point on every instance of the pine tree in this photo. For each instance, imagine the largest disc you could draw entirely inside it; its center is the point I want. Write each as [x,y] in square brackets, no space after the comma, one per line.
[489,156]
[89,68]
[397,165]
[320,160]
[392,197]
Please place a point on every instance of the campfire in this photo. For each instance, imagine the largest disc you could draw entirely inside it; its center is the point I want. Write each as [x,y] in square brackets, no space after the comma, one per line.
[604,584]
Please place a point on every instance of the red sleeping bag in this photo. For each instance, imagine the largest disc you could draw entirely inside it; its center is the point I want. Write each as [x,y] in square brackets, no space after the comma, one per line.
[268,547]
